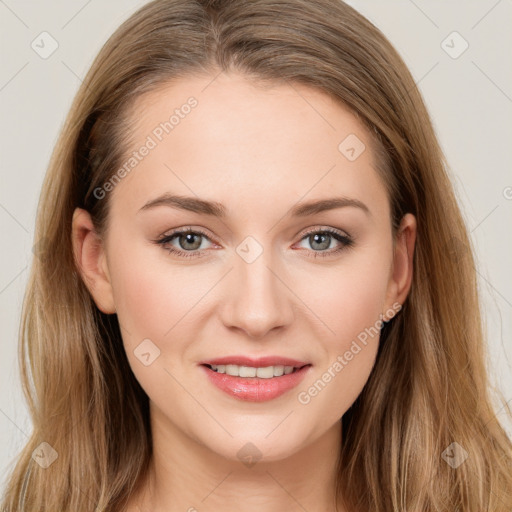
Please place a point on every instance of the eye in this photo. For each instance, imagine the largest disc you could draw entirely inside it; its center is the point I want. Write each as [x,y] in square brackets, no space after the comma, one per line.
[189,242]
[321,240]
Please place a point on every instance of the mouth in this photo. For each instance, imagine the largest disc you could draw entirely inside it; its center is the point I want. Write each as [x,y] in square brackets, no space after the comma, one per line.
[265,372]
[255,384]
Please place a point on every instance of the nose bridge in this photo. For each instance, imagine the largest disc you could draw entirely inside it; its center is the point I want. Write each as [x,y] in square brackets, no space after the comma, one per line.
[258,300]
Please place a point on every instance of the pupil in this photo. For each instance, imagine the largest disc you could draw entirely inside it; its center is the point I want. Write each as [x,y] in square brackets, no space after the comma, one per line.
[189,239]
[317,239]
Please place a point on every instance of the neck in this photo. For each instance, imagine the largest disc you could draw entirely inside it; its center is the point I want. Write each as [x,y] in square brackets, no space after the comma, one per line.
[185,475]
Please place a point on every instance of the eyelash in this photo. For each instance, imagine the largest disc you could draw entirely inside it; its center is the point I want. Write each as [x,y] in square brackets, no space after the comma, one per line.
[346,241]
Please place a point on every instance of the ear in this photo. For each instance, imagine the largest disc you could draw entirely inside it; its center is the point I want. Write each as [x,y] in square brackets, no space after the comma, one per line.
[91,260]
[401,275]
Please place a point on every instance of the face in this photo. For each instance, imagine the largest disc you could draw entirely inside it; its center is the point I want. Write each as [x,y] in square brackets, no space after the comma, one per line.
[261,280]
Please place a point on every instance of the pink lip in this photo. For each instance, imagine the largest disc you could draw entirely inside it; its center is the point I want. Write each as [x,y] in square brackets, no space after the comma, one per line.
[260,362]
[255,389]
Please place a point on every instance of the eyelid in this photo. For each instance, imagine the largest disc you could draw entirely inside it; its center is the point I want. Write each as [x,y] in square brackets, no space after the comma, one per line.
[185,229]
[321,228]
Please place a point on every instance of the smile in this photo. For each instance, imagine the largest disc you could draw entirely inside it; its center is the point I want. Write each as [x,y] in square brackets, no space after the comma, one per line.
[255,384]
[266,372]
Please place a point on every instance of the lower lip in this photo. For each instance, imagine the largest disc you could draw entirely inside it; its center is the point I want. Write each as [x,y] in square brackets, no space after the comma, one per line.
[253,389]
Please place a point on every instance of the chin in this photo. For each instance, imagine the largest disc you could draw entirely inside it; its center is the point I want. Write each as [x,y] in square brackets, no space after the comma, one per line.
[251,447]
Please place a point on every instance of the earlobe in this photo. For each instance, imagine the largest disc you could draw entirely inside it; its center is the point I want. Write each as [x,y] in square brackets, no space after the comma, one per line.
[402,271]
[90,259]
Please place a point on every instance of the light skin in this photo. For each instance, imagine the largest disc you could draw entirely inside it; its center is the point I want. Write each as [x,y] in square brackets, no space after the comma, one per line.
[260,152]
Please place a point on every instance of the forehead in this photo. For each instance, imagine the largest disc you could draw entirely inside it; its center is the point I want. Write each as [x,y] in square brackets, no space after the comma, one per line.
[242,143]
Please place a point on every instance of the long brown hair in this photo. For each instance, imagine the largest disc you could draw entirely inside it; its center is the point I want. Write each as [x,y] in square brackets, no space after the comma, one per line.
[428,389]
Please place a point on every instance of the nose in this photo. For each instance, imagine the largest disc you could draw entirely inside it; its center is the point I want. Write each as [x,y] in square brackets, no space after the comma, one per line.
[258,297]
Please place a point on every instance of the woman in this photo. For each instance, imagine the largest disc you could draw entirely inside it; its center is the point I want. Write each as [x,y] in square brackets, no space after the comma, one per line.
[321,347]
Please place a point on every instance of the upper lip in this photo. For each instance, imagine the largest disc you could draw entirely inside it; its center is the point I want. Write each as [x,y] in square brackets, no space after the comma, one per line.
[260,362]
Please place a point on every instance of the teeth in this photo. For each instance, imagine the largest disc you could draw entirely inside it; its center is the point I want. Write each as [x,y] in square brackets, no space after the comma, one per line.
[249,371]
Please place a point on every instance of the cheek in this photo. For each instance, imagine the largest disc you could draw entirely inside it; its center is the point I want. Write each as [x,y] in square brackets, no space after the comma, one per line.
[350,298]
[154,302]
[150,297]
[350,306]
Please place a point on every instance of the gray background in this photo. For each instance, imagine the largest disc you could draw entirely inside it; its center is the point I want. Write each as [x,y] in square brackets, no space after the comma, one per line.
[469,96]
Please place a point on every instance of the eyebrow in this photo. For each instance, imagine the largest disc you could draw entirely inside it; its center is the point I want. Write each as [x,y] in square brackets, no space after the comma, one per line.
[215,209]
